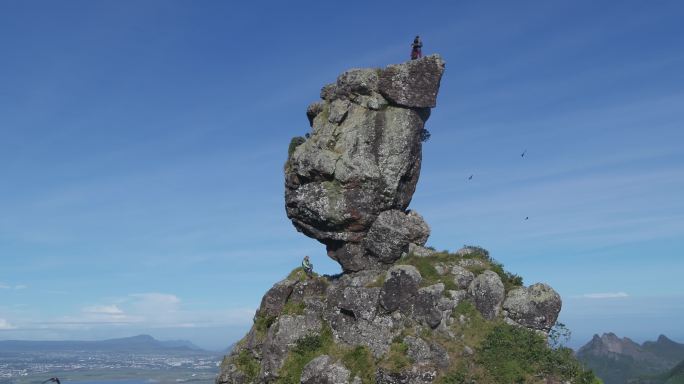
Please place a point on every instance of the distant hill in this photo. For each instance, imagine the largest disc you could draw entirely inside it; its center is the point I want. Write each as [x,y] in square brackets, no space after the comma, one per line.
[620,360]
[665,348]
[139,344]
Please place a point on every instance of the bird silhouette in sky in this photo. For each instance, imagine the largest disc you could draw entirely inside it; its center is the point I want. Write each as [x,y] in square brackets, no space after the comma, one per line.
[527,217]
[470,177]
[53,379]
[523,154]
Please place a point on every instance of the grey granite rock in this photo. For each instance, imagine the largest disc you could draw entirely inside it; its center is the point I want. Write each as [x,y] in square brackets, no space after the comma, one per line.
[462,276]
[322,370]
[362,159]
[392,232]
[400,288]
[536,307]
[273,301]
[487,292]
[420,251]
[282,336]
[413,84]
[415,375]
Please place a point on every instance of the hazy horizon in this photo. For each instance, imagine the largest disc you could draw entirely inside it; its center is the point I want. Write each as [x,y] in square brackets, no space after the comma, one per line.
[143,142]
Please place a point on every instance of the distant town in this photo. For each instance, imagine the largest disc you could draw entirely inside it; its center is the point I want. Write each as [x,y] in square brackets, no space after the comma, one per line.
[94,362]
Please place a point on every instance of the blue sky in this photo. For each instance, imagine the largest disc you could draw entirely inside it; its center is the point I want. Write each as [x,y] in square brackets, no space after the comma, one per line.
[141,186]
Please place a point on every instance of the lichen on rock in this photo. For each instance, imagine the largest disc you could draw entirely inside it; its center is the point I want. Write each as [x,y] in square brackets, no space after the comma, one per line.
[361,163]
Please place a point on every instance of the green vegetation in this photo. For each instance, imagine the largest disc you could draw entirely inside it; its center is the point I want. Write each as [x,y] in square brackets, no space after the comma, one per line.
[397,358]
[510,280]
[672,376]
[294,308]
[426,267]
[486,352]
[306,349]
[262,323]
[511,354]
[361,363]
[458,376]
[297,274]
[294,143]
[247,364]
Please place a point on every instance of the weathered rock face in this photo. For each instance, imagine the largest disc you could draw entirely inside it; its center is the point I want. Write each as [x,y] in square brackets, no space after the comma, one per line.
[322,370]
[384,313]
[361,163]
[487,292]
[535,307]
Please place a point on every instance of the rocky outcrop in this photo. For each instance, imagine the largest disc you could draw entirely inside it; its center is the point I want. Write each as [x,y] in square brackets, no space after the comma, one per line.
[322,370]
[381,312]
[535,307]
[355,175]
[487,292]
[400,312]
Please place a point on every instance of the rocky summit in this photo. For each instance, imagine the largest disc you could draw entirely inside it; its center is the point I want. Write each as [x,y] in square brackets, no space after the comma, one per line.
[349,183]
[400,312]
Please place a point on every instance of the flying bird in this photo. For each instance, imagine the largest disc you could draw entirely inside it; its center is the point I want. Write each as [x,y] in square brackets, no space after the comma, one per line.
[53,379]
[523,154]
[527,217]
[470,177]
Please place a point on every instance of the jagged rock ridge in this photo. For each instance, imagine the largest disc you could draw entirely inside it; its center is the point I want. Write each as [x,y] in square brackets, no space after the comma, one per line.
[619,360]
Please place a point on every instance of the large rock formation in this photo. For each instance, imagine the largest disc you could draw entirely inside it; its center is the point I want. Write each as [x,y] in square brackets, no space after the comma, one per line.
[394,326]
[348,185]
[400,312]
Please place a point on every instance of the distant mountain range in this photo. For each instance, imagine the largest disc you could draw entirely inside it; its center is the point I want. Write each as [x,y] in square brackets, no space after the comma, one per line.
[621,361]
[140,344]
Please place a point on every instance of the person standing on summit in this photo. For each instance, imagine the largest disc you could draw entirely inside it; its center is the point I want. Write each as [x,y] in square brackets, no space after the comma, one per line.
[416,46]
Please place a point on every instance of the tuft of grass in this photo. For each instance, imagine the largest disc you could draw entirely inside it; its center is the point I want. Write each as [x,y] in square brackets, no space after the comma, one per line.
[512,354]
[305,349]
[510,280]
[397,357]
[458,376]
[361,363]
[262,323]
[294,143]
[297,274]
[247,364]
[426,267]
[293,308]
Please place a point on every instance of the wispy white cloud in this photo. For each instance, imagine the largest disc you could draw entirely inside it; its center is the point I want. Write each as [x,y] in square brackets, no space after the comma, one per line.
[147,310]
[15,287]
[104,310]
[603,295]
[4,324]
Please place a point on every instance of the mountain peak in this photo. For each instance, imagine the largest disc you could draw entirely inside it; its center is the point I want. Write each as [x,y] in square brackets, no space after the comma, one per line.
[662,339]
[617,360]
[400,312]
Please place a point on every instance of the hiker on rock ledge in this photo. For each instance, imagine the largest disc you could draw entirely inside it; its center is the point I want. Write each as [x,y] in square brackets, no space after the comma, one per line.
[416,46]
[307,266]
